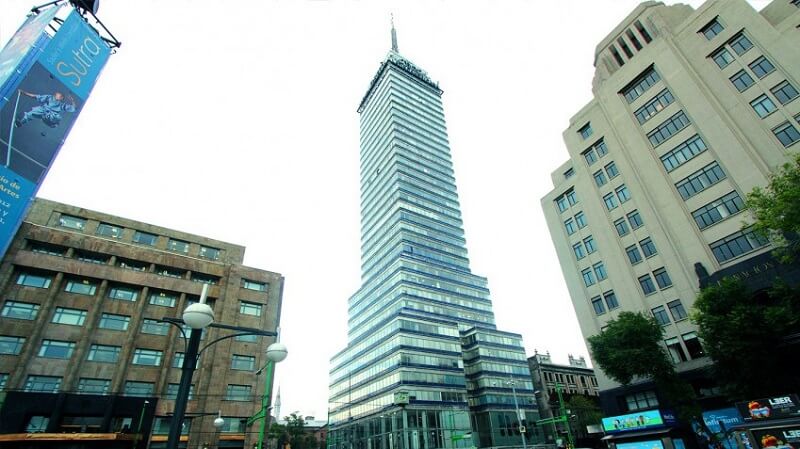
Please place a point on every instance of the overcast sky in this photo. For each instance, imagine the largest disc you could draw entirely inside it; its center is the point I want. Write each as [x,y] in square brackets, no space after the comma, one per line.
[237,120]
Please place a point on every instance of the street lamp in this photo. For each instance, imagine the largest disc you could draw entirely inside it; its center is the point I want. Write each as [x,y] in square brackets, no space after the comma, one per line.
[276,353]
[520,416]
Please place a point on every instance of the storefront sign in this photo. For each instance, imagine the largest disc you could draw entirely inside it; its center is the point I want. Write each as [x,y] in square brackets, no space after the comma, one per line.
[651,444]
[781,438]
[770,408]
[633,421]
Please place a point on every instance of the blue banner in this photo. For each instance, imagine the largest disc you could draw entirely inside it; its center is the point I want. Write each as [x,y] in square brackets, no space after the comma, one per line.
[633,421]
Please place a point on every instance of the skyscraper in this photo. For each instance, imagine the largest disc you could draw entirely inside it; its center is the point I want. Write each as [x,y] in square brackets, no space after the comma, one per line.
[425,365]
[692,109]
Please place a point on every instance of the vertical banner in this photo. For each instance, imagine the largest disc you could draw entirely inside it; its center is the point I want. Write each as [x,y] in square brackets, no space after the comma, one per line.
[42,97]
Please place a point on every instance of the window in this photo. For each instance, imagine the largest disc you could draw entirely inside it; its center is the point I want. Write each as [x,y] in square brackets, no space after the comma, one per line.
[154,327]
[718,210]
[43,384]
[178,246]
[569,225]
[635,219]
[90,257]
[578,250]
[68,221]
[600,271]
[786,133]
[683,153]
[145,238]
[243,362]
[662,278]
[176,273]
[599,178]
[3,380]
[11,345]
[103,353]
[600,148]
[611,201]
[675,350]
[114,322]
[742,80]
[93,386]
[161,426]
[611,299]
[588,277]
[634,256]
[204,278]
[247,338]
[172,391]
[624,47]
[641,84]
[590,156]
[81,287]
[611,170]
[648,247]
[238,392]
[668,128]
[722,57]
[572,199]
[761,67]
[693,346]
[47,248]
[134,265]
[20,310]
[784,92]
[623,194]
[740,44]
[140,389]
[262,287]
[561,203]
[37,424]
[73,317]
[109,230]
[164,299]
[633,40]
[700,180]
[149,357]
[763,106]
[569,173]
[677,310]
[589,242]
[642,400]
[660,314]
[712,29]
[646,282]
[234,424]
[643,32]
[34,280]
[586,131]
[621,226]
[249,308]
[123,293]
[208,252]
[580,220]
[597,305]
[736,244]
[654,106]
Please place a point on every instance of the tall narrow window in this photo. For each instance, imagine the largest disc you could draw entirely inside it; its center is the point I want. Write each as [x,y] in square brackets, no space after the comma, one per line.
[586,131]
[712,29]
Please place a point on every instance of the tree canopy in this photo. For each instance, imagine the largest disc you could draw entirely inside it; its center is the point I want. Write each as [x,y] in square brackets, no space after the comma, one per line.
[776,209]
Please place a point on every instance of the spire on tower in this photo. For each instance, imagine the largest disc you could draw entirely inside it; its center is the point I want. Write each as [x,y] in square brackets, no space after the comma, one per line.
[394,35]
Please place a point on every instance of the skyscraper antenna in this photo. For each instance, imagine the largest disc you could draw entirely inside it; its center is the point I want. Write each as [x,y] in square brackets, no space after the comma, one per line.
[394,35]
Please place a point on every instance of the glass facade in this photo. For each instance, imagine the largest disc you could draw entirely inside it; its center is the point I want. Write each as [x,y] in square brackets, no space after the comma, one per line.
[421,326]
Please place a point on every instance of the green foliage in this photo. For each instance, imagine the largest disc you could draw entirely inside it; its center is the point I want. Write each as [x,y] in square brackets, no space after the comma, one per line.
[743,333]
[776,209]
[296,433]
[586,411]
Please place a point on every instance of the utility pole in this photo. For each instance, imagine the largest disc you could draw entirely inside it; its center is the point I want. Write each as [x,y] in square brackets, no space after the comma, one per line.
[561,418]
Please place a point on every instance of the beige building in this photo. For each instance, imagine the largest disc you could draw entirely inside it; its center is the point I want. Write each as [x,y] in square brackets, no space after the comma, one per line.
[82,293]
[691,110]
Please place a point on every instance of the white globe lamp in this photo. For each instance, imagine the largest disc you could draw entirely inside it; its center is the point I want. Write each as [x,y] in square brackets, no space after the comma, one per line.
[277,352]
[198,315]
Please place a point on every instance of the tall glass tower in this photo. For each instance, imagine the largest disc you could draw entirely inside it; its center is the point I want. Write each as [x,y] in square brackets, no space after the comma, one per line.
[425,366]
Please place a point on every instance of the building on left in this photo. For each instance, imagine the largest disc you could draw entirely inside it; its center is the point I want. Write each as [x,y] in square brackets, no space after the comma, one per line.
[83,353]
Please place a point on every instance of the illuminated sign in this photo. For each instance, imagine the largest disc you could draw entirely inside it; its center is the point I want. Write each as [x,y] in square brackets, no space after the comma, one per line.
[770,408]
[633,421]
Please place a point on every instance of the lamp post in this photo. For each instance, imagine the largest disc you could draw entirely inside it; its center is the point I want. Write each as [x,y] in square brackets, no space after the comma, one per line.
[276,353]
[197,316]
[520,416]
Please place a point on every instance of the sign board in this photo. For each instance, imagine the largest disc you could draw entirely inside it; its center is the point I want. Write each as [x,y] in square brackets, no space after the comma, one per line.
[401,398]
[650,444]
[782,438]
[786,406]
[633,421]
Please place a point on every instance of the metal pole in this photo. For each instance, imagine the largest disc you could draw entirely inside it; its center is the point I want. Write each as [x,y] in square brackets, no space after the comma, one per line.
[189,364]
[519,416]
[265,402]
[564,416]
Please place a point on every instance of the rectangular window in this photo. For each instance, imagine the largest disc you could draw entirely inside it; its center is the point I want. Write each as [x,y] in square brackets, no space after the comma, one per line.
[677,310]
[597,305]
[718,210]
[262,286]
[134,265]
[81,287]
[660,314]
[722,57]
[742,80]
[93,386]
[623,194]
[204,278]
[635,219]
[140,389]
[90,257]
[249,308]
[109,230]
[600,148]
[11,345]
[784,92]
[34,280]
[43,384]
[693,345]
[641,29]
[103,353]
[154,327]
[588,277]
[761,67]
[654,106]
[641,401]
[148,357]
[114,322]
[611,299]
[243,362]
[683,153]
[68,221]
[569,173]
[633,40]
[740,44]
[569,225]
[736,244]
[621,226]
[662,278]
[763,106]
[73,317]
[3,380]
[123,293]
[600,271]
[20,310]
[646,282]
[634,256]
[561,203]
[47,248]
[164,299]
[178,246]
[172,391]
[712,29]
[56,349]
[572,199]
[580,220]
[145,238]
[586,131]
[648,247]
[700,180]
[172,272]
[786,133]
[578,250]
[208,252]
[624,47]
[238,392]
[589,242]
[675,350]
[247,338]
[668,128]
[611,170]
[600,178]
[611,201]
[641,84]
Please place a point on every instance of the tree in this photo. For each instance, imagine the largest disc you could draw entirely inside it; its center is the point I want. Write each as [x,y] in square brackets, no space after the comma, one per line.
[586,412]
[744,334]
[298,436]
[776,209]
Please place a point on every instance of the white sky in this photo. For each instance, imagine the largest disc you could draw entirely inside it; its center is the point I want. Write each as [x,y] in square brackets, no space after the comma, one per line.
[237,120]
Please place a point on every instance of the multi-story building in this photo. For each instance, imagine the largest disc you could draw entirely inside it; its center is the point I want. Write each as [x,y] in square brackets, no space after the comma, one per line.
[692,109]
[83,293]
[425,366]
